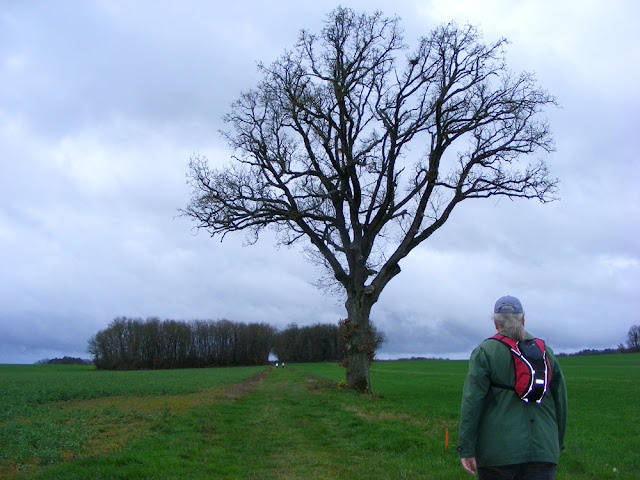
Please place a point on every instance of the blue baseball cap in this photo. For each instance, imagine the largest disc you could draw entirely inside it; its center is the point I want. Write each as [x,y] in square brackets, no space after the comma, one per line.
[508,304]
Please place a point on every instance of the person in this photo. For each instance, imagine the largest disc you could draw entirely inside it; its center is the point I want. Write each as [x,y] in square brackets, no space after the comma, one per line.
[501,435]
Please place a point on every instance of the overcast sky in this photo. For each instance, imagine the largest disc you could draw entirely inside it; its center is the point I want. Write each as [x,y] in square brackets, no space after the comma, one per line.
[102,103]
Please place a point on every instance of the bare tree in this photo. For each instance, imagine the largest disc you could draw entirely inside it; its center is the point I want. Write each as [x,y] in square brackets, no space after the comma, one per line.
[633,338]
[363,148]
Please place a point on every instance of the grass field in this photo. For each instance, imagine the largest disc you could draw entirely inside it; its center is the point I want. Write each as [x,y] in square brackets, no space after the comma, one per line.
[69,422]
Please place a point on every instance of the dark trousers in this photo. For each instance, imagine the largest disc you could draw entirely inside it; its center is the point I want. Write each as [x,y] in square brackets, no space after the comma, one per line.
[521,471]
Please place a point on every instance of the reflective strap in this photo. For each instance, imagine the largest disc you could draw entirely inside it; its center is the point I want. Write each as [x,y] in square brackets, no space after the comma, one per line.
[533,376]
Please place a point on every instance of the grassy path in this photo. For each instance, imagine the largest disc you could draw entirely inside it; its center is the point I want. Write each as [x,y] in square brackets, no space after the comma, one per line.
[289,426]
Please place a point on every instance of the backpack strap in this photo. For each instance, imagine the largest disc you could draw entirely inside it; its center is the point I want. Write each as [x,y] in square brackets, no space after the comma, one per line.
[504,339]
[513,346]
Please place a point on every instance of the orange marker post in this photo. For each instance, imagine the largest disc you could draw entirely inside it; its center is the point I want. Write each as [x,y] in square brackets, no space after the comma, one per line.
[446,439]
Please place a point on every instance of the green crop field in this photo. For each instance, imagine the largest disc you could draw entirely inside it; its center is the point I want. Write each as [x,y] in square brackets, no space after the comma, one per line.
[71,422]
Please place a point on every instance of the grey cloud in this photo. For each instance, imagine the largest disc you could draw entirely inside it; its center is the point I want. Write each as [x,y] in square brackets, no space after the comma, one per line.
[102,103]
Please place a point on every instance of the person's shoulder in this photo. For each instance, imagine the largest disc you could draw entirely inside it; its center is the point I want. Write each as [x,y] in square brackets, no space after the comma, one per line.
[490,343]
[481,346]
[485,348]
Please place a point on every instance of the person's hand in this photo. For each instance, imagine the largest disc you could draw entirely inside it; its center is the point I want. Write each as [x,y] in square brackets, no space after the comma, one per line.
[469,465]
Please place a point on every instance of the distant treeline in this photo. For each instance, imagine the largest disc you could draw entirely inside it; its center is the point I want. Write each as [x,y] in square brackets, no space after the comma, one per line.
[316,343]
[322,342]
[133,343]
[410,359]
[607,351]
[64,361]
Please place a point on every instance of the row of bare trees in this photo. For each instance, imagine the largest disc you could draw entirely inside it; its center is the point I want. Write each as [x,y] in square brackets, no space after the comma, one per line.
[320,343]
[133,343]
[315,343]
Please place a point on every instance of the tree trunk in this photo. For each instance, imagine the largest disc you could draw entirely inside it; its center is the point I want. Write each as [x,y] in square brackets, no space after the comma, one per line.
[358,344]
[358,372]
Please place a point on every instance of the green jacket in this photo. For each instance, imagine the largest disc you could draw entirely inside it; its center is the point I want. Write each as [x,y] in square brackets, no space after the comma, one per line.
[496,427]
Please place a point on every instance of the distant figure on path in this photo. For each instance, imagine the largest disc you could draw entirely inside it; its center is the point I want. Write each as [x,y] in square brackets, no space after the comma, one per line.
[276,364]
[514,403]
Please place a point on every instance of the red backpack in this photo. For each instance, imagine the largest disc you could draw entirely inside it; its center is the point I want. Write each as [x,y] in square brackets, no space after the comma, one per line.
[531,364]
